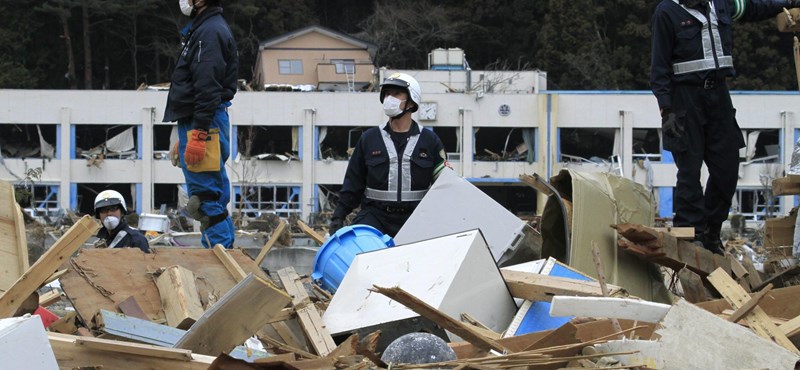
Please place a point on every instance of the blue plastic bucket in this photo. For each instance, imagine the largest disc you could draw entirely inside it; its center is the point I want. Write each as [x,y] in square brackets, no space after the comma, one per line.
[335,256]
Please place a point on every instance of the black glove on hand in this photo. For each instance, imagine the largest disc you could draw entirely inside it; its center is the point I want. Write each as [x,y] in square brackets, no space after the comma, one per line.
[336,224]
[670,125]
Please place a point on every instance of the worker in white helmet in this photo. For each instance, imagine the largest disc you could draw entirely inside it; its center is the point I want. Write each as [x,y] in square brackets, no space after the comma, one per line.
[110,209]
[392,165]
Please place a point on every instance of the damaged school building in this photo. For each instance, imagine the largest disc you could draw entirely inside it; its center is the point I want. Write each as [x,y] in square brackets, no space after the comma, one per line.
[545,246]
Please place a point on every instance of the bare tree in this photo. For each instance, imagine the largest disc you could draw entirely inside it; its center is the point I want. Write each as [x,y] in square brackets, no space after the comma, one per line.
[61,9]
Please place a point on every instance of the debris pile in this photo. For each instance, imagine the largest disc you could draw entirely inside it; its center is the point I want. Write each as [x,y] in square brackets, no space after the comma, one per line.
[459,296]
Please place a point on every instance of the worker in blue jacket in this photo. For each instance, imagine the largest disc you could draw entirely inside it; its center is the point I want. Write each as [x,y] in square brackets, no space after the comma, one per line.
[691,58]
[203,85]
[110,208]
[393,165]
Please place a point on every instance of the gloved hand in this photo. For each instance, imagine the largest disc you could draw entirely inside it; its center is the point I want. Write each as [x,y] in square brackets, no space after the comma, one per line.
[670,125]
[336,224]
[174,157]
[196,147]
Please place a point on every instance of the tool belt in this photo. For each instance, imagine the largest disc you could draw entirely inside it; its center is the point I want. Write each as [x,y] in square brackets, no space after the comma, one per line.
[706,84]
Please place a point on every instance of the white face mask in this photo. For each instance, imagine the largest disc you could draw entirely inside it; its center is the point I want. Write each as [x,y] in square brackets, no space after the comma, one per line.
[111,222]
[186,8]
[391,106]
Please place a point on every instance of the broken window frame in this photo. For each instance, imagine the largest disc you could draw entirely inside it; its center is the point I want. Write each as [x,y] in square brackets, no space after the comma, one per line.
[749,152]
[102,147]
[45,145]
[760,211]
[352,139]
[258,206]
[529,142]
[293,153]
[568,159]
[651,156]
[44,200]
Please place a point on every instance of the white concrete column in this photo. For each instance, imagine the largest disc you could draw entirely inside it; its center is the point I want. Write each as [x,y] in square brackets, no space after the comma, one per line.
[147,119]
[64,118]
[467,140]
[231,158]
[626,142]
[309,178]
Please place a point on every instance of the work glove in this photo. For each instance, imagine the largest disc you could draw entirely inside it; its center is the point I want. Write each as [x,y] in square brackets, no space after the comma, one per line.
[670,126]
[336,224]
[196,147]
[174,157]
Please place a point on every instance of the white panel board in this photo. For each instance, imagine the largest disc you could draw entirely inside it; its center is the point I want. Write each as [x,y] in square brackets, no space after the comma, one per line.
[453,273]
[24,344]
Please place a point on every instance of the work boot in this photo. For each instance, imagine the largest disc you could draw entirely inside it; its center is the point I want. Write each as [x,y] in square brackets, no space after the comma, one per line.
[713,243]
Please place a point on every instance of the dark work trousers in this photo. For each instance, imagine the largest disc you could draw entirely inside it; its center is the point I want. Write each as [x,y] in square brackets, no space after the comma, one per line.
[710,134]
[386,222]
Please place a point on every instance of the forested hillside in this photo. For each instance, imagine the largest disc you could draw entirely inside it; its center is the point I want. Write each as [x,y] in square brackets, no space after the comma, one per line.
[582,44]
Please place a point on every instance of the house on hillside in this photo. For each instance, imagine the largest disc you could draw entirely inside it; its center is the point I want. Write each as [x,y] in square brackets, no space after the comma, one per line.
[315,58]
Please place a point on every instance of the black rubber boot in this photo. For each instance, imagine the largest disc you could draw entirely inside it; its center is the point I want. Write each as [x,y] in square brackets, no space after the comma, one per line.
[713,243]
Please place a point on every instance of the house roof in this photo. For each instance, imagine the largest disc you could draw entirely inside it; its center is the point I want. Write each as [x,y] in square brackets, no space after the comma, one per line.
[370,47]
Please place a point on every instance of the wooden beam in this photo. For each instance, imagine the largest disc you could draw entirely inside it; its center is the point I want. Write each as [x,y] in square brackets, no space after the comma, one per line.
[307,314]
[666,250]
[55,276]
[48,263]
[13,244]
[791,327]
[601,278]
[537,287]
[229,262]
[224,326]
[788,185]
[311,233]
[685,233]
[77,352]
[753,276]
[693,289]
[757,319]
[273,238]
[444,321]
[49,298]
[749,305]
[179,297]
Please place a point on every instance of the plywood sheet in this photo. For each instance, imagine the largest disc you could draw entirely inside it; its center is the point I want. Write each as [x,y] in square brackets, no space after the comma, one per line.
[13,243]
[113,275]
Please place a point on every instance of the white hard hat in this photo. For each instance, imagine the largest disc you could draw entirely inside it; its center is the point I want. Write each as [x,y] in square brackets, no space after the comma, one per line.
[109,198]
[406,82]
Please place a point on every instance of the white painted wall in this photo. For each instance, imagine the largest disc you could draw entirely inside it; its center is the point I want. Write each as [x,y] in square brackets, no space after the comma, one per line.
[546,112]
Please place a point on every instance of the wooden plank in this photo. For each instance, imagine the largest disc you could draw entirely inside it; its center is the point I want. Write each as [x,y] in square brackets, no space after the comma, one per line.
[692,284]
[13,243]
[287,335]
[66,324]
[601,278]
[103,272]
[788,185]
[782,303]
[230,263]
[273,238]
[114,355]
[179,297]
[620,308]
[753,276]
[49,298]
[791,327]
[779,231]
[757,319]
[307,314]
[224,326]
[64,247]
[747,307]
[134,348]
[311,233]
[537,287]
[666,250]
[444,321]
[54,276]
[130,307]
[794,270]
[685,233]
[565,334]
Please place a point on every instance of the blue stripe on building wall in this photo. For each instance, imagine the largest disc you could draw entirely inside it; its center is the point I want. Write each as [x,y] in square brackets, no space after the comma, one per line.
[139,205]
[549,158]
[140,140]
[234,141]
[73,195]
[300,143]
[72,142]
[665,194]
[58,142]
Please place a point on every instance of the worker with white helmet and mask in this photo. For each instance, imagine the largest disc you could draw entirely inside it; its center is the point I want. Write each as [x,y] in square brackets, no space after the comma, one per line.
[393,165]
[110,209]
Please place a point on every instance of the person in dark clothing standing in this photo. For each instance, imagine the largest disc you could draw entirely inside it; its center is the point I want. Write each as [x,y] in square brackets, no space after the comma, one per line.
[691,57]
[203,85]
[110,209]
[393,165]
